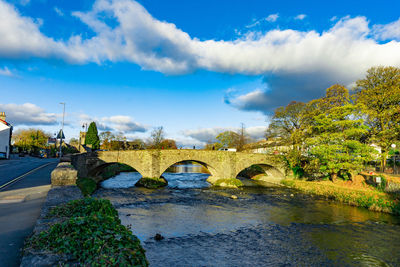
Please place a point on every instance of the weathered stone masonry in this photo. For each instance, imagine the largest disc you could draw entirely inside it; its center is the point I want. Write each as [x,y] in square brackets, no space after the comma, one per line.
[153,163]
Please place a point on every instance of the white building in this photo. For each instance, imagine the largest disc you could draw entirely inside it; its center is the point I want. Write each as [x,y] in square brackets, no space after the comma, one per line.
[5,136]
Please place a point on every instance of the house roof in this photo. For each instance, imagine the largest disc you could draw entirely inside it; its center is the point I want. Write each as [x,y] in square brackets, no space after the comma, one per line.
[4,122]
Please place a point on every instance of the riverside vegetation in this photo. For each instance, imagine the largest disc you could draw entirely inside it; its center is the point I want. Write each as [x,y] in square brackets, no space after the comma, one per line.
[90,234]
[333,138]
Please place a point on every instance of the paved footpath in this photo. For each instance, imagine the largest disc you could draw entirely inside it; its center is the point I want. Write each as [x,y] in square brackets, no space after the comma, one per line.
[21,202]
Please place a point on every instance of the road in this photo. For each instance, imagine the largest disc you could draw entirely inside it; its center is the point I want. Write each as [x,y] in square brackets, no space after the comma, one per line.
[20,202]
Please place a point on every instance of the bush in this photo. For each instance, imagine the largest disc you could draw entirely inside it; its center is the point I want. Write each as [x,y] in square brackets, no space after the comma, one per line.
[92,236]
[298,171]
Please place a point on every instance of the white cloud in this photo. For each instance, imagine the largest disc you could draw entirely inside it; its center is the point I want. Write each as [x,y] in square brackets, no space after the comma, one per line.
[272,17]
[117,123]
[161,46]
[256,132]
[340,54]
[300,17]
[188,142]
[388,31]
[207,135]
[59,11]
[27,114]
[6,72]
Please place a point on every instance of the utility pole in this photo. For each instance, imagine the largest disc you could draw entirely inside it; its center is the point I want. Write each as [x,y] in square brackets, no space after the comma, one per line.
[62,129]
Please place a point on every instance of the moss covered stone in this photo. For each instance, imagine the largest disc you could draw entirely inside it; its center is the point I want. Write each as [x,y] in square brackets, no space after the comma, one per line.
[229,183]
[152,183]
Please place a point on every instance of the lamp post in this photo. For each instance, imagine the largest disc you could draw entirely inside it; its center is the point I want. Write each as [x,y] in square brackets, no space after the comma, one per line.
[62,129]
[394,159]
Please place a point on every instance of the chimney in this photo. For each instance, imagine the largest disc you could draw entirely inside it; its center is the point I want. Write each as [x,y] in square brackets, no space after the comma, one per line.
[3,116]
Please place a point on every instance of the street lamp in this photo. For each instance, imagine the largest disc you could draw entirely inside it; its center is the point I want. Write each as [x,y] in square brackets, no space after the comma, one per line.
[62,129]
[394,159]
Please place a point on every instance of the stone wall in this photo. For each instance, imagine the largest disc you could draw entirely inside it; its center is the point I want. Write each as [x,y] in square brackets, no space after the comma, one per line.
[153,163]
[64,174]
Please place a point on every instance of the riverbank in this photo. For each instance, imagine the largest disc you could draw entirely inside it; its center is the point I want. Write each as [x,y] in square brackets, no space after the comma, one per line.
[73,230]
[352,193]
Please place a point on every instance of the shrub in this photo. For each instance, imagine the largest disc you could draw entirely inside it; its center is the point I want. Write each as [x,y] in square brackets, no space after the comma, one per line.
[298,171]
[92,236]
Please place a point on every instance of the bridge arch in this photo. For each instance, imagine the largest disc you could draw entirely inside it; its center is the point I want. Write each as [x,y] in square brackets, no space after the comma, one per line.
[165,165]
[268,169]
[99,169]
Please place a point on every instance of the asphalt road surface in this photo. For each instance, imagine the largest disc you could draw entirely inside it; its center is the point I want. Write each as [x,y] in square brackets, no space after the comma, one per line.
[20,202]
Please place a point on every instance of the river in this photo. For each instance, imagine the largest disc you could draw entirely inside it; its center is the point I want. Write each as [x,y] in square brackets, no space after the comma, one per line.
[265,226]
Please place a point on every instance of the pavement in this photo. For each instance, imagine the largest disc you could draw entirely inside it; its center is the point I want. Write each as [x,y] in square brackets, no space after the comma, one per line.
[21,202]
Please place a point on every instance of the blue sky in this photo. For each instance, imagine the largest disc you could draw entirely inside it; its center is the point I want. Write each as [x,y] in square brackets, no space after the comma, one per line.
[194,67]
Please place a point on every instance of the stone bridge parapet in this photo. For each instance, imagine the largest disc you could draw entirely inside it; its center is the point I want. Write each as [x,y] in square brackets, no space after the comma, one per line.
[153,163]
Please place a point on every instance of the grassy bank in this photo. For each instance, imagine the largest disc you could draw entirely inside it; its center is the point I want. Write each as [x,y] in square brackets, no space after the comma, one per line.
[89,234]
[361,195]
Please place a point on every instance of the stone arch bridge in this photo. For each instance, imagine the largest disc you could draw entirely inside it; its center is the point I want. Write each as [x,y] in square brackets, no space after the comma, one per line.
[153,163]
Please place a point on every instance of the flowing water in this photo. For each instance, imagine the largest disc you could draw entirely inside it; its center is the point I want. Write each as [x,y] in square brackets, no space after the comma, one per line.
[264,226]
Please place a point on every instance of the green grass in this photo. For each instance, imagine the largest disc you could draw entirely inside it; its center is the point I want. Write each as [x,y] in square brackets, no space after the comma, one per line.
[86,185]
[84,207]
[91,236]
[367,197]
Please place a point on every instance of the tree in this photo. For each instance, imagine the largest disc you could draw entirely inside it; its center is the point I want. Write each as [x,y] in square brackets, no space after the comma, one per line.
[168,144]
[227,139]
[286,122]
[335,141]
[379,95]
[287,125]
[157,136]
[92,138]
[106,138]
[30,140]
[242,138]
[336,96]
[136,144]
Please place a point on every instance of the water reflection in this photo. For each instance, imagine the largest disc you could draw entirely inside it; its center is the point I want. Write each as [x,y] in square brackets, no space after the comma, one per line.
[182,176]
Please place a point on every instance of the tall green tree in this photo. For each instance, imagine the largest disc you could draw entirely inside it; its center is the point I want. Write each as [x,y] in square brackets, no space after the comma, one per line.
[336,141]
[92,136]
[379,95]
